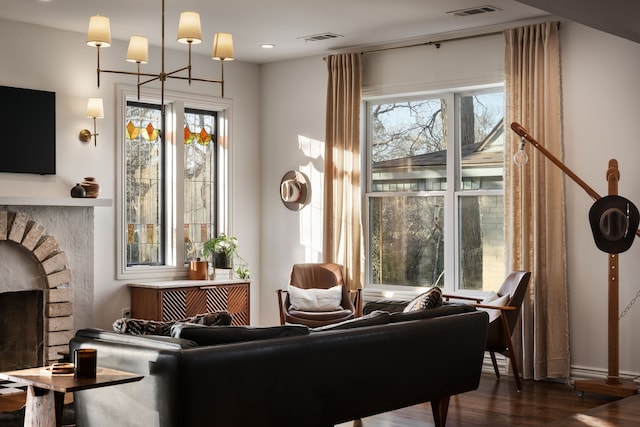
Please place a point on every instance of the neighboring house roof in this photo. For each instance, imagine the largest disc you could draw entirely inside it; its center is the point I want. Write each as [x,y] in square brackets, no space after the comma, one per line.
[489,152]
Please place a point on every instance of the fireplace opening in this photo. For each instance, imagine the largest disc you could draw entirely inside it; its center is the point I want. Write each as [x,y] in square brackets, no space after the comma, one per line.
[21,335]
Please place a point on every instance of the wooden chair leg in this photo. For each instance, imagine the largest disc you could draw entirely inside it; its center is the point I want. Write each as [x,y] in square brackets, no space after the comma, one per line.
[495,364]
[440,409]
[511,355]
[281,294]
[516,373]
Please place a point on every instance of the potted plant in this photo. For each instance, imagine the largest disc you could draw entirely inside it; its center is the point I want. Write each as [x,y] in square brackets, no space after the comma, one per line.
[221,248]
[242,270]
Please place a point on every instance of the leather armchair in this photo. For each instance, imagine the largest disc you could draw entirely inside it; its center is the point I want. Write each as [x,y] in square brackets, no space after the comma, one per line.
[318,276]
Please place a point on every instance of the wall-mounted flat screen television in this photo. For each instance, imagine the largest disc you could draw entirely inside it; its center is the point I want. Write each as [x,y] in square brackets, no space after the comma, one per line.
[28,123]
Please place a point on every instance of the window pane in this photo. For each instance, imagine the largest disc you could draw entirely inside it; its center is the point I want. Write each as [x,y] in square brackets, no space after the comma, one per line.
[482,246]
[408,146]
[200,150]
[143,173]
[482,140]
[407,240]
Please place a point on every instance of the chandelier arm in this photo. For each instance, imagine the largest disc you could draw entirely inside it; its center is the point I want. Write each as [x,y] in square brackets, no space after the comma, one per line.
[138,85]
[153,78]
[222,77]
[188,67]
[98,69]
[129,73]
[196,79]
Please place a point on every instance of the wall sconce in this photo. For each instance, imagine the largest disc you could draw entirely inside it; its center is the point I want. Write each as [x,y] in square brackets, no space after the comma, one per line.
[95,111]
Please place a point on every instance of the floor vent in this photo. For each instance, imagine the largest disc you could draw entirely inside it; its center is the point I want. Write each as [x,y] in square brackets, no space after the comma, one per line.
[474,10]
[319,37]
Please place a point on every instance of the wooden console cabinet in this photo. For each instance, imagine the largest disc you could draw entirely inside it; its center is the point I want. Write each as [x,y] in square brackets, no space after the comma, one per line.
[176,300]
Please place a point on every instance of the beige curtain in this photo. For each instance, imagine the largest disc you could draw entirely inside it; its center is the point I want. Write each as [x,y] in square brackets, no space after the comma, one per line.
[534,198]
[342,198]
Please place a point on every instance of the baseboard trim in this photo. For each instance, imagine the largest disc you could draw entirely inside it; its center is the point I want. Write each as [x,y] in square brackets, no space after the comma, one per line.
[576,372]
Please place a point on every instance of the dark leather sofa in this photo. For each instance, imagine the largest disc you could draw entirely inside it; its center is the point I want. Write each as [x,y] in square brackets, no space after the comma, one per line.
[287,375]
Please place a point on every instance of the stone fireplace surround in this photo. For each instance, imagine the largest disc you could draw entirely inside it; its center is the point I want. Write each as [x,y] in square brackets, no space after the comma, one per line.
[47,245]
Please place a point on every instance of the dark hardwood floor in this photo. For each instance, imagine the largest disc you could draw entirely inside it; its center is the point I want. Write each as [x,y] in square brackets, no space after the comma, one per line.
[496,403]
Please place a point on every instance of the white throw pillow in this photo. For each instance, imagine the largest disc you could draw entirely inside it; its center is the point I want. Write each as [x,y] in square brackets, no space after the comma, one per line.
[494,314]
[315,299]
[490,298]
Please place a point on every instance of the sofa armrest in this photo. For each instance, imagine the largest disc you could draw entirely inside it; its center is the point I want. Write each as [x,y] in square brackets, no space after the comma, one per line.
[153,400]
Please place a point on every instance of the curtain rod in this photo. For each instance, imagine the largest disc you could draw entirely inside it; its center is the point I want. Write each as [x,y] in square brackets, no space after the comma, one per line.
[432,43]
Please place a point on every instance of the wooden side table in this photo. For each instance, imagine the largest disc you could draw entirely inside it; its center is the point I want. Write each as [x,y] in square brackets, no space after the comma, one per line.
[45,394]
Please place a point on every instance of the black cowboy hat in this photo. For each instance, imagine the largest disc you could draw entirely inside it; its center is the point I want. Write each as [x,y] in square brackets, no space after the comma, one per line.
[614,221]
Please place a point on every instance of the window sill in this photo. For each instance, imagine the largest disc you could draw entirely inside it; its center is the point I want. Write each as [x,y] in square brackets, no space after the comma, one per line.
[144,272]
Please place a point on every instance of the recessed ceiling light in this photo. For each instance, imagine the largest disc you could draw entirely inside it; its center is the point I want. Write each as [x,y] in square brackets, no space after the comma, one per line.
[267,46]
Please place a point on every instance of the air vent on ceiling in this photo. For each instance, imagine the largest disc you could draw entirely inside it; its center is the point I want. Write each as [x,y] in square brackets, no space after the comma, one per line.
[474,10]
[319,37]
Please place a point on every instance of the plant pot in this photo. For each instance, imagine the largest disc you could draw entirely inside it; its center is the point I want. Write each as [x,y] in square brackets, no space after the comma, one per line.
[221,260]
[198,270]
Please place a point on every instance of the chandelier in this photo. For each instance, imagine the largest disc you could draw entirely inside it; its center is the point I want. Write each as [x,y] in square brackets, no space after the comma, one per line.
[189,33]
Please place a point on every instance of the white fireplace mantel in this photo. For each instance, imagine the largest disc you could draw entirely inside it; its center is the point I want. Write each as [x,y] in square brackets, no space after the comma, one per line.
[47,243]
[61,201]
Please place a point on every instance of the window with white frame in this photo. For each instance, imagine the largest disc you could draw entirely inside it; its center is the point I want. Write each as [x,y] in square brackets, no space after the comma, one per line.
[172,176]
[434,191]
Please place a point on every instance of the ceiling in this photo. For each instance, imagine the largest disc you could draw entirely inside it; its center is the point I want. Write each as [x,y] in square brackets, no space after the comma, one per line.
[281,22]
[286,23]
[619,17]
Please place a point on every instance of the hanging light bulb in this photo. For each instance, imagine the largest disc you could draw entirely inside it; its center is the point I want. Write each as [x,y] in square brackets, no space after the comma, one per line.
[521,158]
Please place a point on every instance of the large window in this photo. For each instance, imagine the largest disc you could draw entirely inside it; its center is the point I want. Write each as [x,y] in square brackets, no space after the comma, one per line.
[173,182]
[434,191]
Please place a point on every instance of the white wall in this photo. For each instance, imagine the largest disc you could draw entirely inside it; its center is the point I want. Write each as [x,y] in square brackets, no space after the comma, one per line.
[601,105]
[41,58]
[292,114]
[601,108]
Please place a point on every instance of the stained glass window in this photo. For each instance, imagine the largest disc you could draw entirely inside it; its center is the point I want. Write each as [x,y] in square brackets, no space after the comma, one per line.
[199,181]
[144,190]
[145,200]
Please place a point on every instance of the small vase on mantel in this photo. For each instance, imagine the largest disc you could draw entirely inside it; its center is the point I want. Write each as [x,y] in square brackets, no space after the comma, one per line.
[91,187]
[78,191]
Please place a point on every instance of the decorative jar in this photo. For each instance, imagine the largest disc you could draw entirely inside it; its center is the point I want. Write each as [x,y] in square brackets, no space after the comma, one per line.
[78,192]
[91,187]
